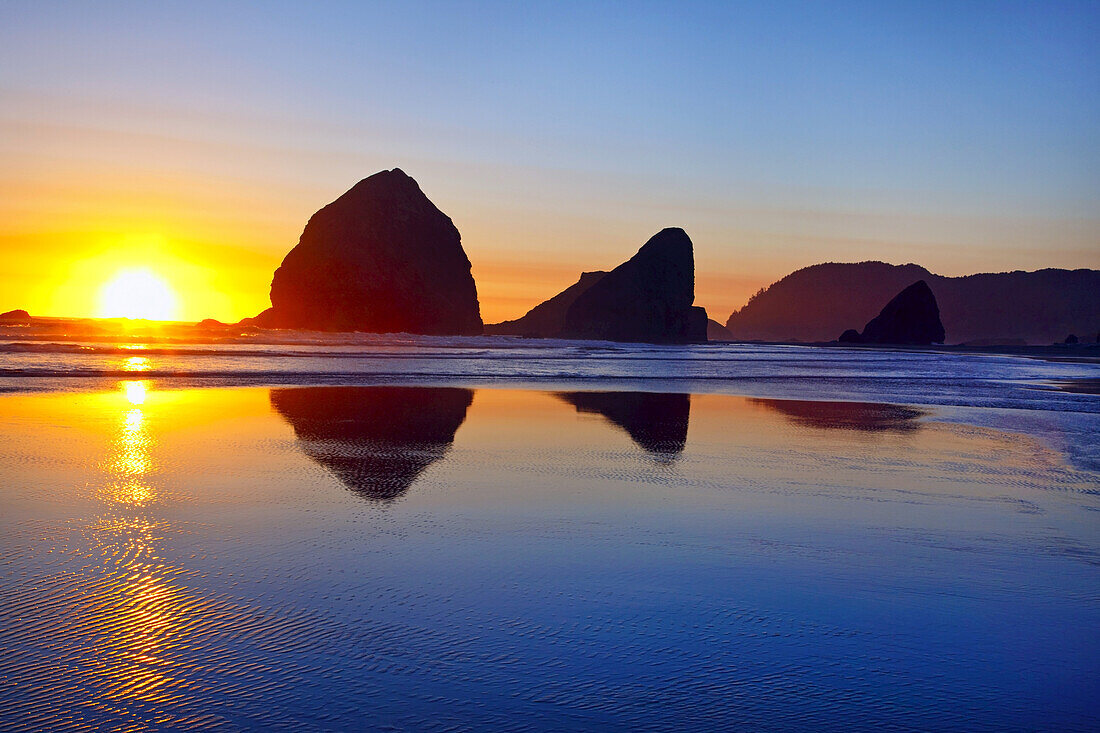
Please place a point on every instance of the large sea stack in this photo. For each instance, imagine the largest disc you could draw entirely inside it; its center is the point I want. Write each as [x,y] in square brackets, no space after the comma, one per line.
[381,258]
[646,299]
[911,318]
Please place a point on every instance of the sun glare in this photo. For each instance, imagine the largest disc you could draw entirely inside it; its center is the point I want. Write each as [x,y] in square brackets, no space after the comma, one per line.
[138,293]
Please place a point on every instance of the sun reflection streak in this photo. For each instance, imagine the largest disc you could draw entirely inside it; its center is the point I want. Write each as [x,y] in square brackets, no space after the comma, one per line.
[136,364]
[129,461]
[143,611]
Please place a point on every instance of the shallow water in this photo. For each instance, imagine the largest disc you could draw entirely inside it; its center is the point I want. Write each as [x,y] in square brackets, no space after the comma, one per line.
[448,558]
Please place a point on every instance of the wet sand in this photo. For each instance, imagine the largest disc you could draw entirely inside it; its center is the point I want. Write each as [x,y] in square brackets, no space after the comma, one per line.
[449,559]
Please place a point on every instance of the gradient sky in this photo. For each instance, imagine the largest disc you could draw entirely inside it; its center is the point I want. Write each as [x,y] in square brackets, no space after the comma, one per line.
[196,138]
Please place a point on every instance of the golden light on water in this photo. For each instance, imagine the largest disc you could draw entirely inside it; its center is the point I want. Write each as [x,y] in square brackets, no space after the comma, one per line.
[135,392]
[136,364]
[130,459]
[138,293]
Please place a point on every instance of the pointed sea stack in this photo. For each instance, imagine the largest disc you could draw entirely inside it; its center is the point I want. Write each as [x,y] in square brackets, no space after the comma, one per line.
[911,318]
[381,258]
[646,299]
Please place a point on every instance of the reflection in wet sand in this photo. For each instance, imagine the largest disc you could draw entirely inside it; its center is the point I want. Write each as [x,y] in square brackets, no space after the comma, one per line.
[940,576]
[375,440]
[129,461]
[657,422]
[137,609]
[862,416]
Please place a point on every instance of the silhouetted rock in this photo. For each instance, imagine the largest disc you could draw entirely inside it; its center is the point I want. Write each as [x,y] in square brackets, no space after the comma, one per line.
[911,317]
[375,440]
[264,319]
[862,416]
[547,319]
[1071,339]
[657,422]
[381,258]
[851,336]
[816,303]
[646,299]
[15,316]
[717,332]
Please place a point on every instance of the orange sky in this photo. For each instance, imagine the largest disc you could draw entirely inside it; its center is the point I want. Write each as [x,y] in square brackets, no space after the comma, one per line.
[78,204]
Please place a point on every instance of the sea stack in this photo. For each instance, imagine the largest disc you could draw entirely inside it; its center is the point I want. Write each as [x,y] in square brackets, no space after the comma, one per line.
[648,298]
[911,318]
[381,258]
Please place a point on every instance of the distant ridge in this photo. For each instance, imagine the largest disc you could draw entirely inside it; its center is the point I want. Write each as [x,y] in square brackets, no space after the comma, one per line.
[819,302]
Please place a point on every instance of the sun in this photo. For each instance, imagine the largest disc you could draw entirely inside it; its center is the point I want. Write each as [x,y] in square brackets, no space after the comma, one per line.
[138,293]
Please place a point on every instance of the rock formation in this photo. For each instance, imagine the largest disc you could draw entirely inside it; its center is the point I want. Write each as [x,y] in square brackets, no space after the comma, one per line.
[15,316]
[717,332]
[381,258]
[911,317]
[657,422]
[646,299]
[375,440]
[816,303]
[547,319]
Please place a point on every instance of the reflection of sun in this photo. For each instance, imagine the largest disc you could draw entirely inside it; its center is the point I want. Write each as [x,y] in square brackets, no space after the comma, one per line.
[130,460]
[138,293]
[135,392]
[136,364]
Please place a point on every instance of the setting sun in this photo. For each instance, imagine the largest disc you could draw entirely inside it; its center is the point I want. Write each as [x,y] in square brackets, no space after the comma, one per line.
[138,293]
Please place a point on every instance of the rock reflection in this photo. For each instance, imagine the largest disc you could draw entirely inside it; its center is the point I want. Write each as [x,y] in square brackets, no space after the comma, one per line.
[658,422]
[862,416]
[375,440]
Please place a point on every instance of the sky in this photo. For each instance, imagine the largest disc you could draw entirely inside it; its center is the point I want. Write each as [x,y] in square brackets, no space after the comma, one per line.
[193,140]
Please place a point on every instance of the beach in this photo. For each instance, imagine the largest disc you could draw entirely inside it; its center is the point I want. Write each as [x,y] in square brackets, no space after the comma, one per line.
[464,551]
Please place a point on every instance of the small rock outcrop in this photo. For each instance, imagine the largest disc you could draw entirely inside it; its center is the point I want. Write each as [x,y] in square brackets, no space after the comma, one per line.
[717,332]
[380,258]
[15,316]
[646,299]
[910,318]
[547,319]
